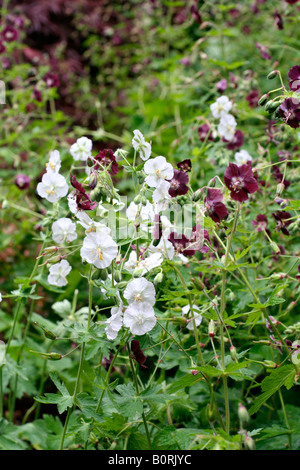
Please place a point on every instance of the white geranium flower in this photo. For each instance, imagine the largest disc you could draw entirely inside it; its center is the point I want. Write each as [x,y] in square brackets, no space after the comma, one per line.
[90,225]
[242,157]
[161,196]
[0,297]
[64,230]
[115,322]
[142,266]
[165,247]
[81,149]
[54,162]
[146,213]
[58,273]
[139,318]
[140,290]
[52,187]
[186,311]
[221,107]
[99,249]
[140,145]
[157,170]
[226,127]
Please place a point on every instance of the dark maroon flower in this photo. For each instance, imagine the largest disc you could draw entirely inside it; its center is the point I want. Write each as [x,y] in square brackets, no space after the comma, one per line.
[216,209]
[106,158]
[51,80]
[197,238]
[282,219]
[37,95]
[2,47]
[291,2]
[298,275]
[181,244]
[9,34]
[83,200]
[263,51]
[236,142]
[137,353]
[22,181]
[294,76]
[221,85]
[185,165]
[289,110]
[178,184]
[253,98]
[278,20]
[195,14]
[205,133]
[260,223]
[240,180]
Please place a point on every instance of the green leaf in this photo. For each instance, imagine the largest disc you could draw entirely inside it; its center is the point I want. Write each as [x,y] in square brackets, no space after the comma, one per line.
[63,401]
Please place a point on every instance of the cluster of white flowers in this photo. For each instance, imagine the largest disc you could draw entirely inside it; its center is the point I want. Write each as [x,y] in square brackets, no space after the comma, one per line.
[227,123]
[53,185]
[139,315]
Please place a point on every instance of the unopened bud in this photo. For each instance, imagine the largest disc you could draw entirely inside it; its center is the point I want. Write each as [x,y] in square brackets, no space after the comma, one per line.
[197,195]
[144,200]
[263,99]
[54,356]
[233,353]
[50,250]
[118,276]
[249,443]
[277,276]
[270,364]
[272,75]
[54,259]
[275,247]
[243,414]
[280,189]
[158,278]
[122,285]
[137,200]
[211,329]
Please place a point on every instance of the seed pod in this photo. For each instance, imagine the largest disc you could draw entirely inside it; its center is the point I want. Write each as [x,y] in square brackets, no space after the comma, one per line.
[272,75]
[270,364]
[54,356]
[50,250]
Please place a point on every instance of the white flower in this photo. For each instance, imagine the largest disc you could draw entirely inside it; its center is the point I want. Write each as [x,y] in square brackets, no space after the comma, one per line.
[157,170]
[139,318]
[146,213]
[140,290]
[54,162]
[90,225]
[52,187]
[58,273]
[115,322]
[140,145]
[226,127]
[64,230]
[120,154]
[242,157]
[221,107]
[142,266]
[161,196]
[99,249]
[0,297]
[82,148]
[165,247]
[186,311]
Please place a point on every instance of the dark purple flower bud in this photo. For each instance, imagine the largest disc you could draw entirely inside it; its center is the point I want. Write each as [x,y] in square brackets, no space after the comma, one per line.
[240,180]
[278,20]
[263,51]
[9,34]
[51,80]
[253,98]
[236,142]
[283,221]
[214,205]
[37,95]
[186,61]
[22,181]
[137,353]
[185,165]
[195,14]
[178,184]
[289,110]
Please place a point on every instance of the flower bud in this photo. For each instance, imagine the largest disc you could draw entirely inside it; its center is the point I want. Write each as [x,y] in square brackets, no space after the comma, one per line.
[158,278]
[211,329]
[270,364]
[144,201]
[277,276]
[137,200]
[263,99]
[275,247]
[249,443]
[54,356]
[118,276]
[122,285]
[197,195]
[243,414]
[50,250]
[272,75]
[280,189]
[233,353]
